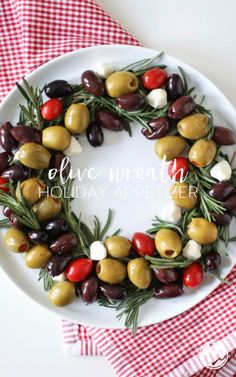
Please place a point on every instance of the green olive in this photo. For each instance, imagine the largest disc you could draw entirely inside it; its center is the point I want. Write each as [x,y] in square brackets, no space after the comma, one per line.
[16,241]
[202,231]
[62,293]
[194,126]
[168,243]
[56,138]
[202,153]
[34,156]
[111,271]
[38,256]
[47,208]
[77,118]
[139,273]
[170,147]
[120,83]
[184,195]
[31,189]
[118,246]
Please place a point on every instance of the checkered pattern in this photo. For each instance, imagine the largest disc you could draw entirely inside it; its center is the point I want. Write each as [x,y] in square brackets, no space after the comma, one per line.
[33,32]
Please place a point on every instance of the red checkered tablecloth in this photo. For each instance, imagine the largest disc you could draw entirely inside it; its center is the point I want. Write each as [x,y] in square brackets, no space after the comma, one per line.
[31,33]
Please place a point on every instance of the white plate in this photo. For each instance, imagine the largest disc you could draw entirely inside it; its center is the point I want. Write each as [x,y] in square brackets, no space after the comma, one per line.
[135,202]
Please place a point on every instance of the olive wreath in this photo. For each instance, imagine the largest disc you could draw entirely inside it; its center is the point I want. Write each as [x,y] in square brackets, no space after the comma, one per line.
[54,242]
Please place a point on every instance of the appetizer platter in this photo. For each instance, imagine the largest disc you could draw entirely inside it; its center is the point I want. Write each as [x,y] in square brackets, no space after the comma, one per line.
[129,277]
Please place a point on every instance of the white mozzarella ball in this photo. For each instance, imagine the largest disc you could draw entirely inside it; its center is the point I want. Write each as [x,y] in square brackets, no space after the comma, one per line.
[97,251]
[171,213]
[60,277]
[16,155]
[221,171]
[74,149]
[192,250]
[157,98]
[104,69]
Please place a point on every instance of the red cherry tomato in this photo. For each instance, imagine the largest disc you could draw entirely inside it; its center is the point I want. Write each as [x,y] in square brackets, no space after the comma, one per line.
[193,275]
[52,109]
[79,269]
[178,168]
[143,244]
[3,181]
[154,78]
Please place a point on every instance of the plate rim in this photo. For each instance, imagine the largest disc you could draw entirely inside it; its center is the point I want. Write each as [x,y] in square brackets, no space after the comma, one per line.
[117,325]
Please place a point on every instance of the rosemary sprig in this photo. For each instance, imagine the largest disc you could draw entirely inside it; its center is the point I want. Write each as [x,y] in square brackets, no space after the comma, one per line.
[21,209]
[4,223]
[158,224]
[130,307]
[179,262]
[31,114]
[142,64]
[201,179]
[140,117]
[84,234]
[47,279]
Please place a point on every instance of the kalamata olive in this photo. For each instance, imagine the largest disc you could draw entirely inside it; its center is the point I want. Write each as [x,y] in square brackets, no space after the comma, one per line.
[120,83]
[221,190]
[89,289]
[111,271]
[56,137]
[114,291]
[110,120]
[184,195]
[38,256]
[64,244]
[174,87]
[62,293]
[37,236]
[7,142]
[202,231]
[15,222]
[57,264]
[223,219]
[15,173]
[32,189]
[170,147]
[58,89]
[61,163]
[159,128]
[77,118]
[5,158]
[212,261]
[223,136]
[92,83]
[47,208]
[56,227]
[181,107]
[16,240]
[139,272]
[94,134]
[24,134]
[131,102]
[168,243]
[202,152]
[118,246]
[34,156]
[166,275]
[168,290]
[230,204]
[7,211]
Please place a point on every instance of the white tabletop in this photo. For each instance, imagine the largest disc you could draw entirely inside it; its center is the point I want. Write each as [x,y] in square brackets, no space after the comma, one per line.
[201,33]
